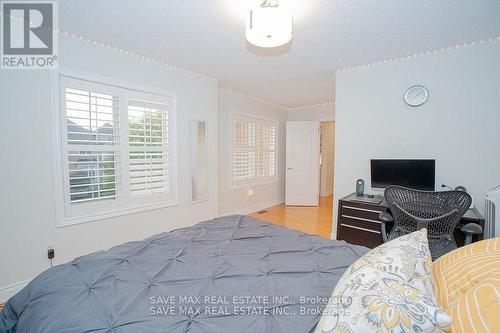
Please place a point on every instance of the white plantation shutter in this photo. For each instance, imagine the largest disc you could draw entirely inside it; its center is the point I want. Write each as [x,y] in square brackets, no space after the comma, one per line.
[266,149]
[92,118]
[92,175]
[244,134]
[148,141]
[253,150]
[92,124]
[117,150]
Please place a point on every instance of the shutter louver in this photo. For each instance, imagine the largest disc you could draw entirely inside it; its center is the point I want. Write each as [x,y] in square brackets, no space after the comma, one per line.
[266,149]
[254,149]
[148,141]
[92,118]
[92,175]
[92,121]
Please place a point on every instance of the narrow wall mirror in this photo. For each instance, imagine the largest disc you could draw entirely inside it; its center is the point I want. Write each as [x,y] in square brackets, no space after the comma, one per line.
[198,160]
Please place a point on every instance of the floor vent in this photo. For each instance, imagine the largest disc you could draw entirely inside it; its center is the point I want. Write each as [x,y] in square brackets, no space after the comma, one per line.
[262,212]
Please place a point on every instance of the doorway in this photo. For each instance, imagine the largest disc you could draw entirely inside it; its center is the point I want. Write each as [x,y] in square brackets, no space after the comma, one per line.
[326,157]
[309,184]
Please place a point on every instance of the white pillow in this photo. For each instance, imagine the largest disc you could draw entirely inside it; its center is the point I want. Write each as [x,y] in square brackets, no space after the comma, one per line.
[387,290]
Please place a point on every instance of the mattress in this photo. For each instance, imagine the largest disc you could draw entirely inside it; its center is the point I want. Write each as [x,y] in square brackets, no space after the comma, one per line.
[230,274]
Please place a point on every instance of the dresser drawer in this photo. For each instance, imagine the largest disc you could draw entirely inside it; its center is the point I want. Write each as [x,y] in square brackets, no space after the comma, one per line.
[370,214]
[359,236]
[360,223]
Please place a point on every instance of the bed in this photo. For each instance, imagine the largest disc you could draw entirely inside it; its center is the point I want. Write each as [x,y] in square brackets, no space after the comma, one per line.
[190,279]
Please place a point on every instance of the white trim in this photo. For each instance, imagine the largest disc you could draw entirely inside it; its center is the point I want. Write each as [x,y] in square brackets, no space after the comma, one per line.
[69,221]
[57,152]
[106,80]
[62,219]
[10,290]
[256,207]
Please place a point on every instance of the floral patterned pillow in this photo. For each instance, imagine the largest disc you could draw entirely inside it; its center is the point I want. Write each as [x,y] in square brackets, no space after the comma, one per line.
[407,257]
[387,290]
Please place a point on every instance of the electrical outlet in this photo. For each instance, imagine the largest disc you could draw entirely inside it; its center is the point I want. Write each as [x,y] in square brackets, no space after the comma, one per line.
[49,252]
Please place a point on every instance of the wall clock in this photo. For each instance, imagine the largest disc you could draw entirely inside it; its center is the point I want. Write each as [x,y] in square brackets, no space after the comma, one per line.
[416,95]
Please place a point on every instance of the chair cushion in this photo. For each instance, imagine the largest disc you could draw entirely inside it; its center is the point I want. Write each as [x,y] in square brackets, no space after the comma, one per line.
[468,286]
[387,290]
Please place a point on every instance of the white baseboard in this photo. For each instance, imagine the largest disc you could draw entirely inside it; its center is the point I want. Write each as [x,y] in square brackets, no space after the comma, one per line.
[257,207]
[12,289]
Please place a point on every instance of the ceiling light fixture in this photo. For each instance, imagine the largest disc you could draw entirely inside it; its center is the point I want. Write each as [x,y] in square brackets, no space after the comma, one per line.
[269,25]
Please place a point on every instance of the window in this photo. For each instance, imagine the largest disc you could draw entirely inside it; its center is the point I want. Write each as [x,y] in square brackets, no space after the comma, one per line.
[117,149]
[253,151]
[148,153]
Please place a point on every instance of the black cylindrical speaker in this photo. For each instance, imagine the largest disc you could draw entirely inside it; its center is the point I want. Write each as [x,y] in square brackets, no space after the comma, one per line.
[360,187]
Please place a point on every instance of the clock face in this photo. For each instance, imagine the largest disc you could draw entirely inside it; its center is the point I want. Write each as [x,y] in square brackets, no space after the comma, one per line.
[416,95]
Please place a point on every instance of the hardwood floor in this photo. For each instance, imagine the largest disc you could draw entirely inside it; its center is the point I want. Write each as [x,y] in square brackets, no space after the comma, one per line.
[312,220]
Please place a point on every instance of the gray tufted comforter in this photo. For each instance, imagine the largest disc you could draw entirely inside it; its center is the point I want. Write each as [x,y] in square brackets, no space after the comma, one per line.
[211,277]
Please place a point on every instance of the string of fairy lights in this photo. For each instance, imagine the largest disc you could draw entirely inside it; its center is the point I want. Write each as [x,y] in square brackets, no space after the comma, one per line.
[252,98]
[309,106]
[242,94]
[133,54]
[434,51]
[162,63]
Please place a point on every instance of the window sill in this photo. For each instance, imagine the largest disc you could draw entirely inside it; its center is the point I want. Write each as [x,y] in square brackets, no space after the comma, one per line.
[70,221]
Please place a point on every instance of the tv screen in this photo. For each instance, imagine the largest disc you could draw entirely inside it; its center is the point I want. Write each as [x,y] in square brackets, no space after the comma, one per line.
[416,174]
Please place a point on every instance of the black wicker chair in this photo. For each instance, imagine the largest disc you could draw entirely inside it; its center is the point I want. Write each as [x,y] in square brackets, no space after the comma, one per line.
[438,212]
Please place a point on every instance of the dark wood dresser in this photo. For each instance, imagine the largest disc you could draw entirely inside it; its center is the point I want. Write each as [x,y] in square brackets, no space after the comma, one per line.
[358,221]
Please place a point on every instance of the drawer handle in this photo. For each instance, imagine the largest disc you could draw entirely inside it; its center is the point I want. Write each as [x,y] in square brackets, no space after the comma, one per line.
[358,228]
[361,219]
[363,209]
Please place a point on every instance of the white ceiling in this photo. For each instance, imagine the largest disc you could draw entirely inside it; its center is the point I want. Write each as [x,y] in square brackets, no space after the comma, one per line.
[208,36]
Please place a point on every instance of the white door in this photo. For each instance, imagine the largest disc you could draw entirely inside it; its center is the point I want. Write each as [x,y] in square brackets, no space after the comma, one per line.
[302,163]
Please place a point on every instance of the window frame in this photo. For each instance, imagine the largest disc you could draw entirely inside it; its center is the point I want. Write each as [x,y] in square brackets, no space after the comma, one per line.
[66,214]
[257,181]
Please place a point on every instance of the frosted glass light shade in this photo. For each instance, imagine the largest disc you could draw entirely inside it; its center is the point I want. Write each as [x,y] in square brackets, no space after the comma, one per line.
[269,26]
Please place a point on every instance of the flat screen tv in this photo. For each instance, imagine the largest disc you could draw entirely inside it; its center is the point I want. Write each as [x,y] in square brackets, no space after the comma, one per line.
[416,174]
